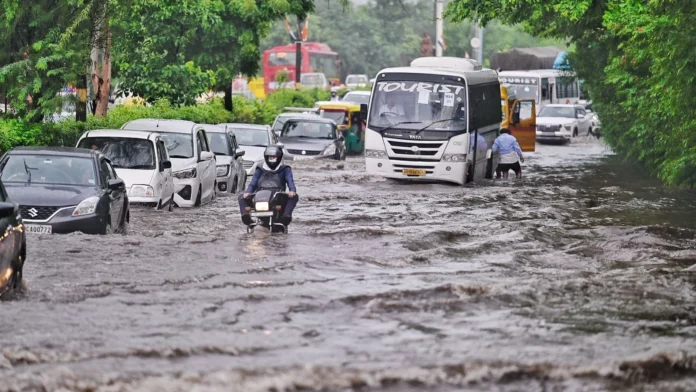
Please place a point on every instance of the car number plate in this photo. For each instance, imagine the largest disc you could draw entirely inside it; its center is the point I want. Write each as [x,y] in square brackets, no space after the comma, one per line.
[414,172]
[40,229]
[300,158]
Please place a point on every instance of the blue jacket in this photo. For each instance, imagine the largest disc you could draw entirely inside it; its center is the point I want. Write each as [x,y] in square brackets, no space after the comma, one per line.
[285,173]
[506,144]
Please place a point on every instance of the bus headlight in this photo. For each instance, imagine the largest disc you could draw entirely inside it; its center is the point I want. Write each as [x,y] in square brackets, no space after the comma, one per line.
[454,157]
[375,154]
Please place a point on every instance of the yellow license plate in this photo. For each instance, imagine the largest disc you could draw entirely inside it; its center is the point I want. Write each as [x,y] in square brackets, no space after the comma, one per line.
[414,172]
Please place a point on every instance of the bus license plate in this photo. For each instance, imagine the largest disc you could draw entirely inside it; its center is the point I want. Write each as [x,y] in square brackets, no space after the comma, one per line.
[39,229]
[414,172]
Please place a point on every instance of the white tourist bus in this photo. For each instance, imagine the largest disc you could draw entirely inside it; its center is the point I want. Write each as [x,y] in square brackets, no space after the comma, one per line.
[545,86]
[435,120]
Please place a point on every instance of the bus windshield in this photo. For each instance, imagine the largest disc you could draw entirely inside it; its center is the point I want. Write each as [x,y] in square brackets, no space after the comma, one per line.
[414,105]
[523,91]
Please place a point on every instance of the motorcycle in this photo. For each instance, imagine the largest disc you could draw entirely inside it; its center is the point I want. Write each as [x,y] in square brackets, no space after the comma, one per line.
[267,208]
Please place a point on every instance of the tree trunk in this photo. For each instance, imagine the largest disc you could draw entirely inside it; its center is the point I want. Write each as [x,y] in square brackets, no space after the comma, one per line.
[229,106]
[100,60]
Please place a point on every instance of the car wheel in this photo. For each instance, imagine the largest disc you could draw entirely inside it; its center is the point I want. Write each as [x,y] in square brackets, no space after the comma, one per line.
[233,188]
[198,198]
[214,196]
[159,205]
[124,226]
[171,204]
[575,132]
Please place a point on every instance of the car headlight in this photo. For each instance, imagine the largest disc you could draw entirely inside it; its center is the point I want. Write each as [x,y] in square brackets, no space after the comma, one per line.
[330,150]
[86,207]
[184,174]
[142,190]
[567,127]
[454,157]
[261,206]
[375,153]
[223,170]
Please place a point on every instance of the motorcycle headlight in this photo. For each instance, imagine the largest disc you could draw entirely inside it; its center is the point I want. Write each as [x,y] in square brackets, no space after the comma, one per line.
[86,207]
[454,157]
[223,170]
[261,206]
[330,150]
[375,153]
[184,174]
[142,191]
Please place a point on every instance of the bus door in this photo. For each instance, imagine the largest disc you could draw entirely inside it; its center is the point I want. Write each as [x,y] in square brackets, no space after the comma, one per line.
[523,124]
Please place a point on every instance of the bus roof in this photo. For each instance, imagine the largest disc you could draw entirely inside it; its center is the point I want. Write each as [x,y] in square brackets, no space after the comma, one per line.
[533,73]
[309,46]
[472,78]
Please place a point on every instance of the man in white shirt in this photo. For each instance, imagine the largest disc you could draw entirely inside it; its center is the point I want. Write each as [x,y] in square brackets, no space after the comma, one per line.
[391,108]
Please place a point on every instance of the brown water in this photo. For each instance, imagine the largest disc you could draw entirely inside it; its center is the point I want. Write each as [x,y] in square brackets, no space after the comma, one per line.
[579,277]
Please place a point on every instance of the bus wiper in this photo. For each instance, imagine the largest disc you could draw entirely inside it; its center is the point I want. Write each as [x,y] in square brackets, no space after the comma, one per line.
[28,170]
[381,131]
[433,123]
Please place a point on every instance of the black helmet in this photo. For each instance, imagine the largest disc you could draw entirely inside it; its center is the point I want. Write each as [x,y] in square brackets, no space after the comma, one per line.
[273,155]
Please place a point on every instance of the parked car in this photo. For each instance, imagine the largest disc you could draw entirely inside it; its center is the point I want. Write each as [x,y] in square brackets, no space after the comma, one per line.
[356,81]
[253,139]
[193,162]
[63,190]
[559,123]
[314,80]
[283,117]
[359,97]
[312,138]
[230,172]
[13,244]
[140,159]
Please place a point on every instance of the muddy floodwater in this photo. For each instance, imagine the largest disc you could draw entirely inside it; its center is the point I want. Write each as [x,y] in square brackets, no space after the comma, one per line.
[580,277]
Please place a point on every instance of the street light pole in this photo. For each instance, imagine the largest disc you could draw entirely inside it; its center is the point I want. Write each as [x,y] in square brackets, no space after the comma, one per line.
[438,27]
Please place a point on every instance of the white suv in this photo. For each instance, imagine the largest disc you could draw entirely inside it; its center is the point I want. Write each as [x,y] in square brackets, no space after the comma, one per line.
[193,162]
[562,122]
[140,159]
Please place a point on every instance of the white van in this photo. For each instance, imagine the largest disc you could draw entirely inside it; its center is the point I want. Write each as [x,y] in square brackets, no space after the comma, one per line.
[140,159]
[193,162]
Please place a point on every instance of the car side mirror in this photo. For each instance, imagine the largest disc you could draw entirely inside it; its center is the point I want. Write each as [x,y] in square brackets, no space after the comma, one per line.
[206,156]
[239,153]
[7,210]
[116,184]
[580,116]
[166,164]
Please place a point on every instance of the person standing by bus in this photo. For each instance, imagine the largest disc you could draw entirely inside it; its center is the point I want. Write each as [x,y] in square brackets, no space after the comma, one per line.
[510,154]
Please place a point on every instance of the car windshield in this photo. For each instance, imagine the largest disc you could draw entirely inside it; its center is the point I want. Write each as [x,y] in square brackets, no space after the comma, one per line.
[356,79]
[523,91]
[219,143]
[413,105]
[357,98]
[308,129]
[125,153]
[179,145]
[557,111]
[253,137]
[339,117]
[48,169]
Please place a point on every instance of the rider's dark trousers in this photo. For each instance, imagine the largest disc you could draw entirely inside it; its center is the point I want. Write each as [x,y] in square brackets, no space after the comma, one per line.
[290,203]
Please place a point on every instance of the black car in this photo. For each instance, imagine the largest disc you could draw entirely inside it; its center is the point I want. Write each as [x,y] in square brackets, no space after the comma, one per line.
[63,190]
[13,244]
[312,138]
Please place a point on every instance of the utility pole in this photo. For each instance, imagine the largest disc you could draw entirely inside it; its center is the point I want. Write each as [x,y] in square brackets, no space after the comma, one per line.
[438,27]
[298,52]
[477,43]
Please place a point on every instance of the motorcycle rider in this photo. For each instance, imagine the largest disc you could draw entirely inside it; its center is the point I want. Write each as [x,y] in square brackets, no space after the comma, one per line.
[274,175]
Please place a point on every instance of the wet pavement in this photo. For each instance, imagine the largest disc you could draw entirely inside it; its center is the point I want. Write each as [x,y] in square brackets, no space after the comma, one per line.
[580,277]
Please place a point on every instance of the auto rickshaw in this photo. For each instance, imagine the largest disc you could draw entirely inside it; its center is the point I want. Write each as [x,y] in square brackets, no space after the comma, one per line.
[350,122]
[519,117]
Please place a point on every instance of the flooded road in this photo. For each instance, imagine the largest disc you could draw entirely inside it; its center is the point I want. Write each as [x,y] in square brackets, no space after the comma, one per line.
[580,277]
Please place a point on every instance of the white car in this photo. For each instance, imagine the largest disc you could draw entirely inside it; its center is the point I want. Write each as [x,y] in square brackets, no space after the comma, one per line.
[140,159]
[560,123]
[193,162]
[359,97]
[253,139]
[231,176]
[355,81]
[314,80]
